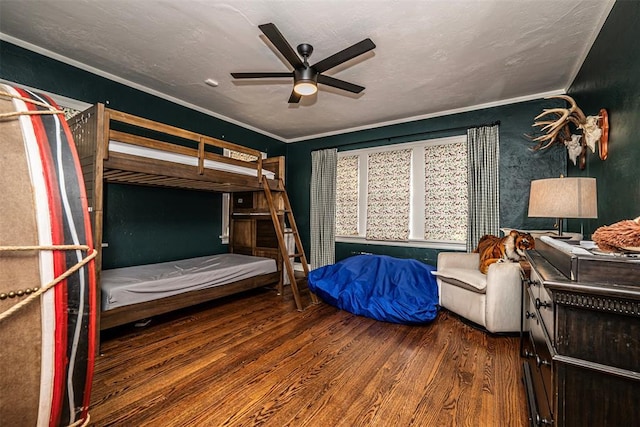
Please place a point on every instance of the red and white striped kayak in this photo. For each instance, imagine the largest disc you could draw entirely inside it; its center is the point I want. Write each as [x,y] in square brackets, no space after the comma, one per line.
[47,337]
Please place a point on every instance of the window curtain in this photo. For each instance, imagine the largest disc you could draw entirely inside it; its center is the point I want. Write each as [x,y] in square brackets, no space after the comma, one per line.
[323,207]
[483,181]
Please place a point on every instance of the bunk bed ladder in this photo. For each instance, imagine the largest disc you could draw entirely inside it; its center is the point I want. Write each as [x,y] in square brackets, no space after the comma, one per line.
[288,258]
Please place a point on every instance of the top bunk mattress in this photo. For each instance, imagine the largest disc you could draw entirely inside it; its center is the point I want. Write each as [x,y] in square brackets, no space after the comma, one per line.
[156,154]
[142,283]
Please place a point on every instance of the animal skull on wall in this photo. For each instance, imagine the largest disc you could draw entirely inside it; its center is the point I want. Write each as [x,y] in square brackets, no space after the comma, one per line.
[574,147]
[556,130]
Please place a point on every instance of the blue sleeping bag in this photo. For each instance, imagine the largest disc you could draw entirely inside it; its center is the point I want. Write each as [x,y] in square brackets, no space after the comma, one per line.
[380,287]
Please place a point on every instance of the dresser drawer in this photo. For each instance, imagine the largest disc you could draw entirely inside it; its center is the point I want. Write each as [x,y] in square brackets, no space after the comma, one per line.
[539,403]
[544,305]
[541,357]
[600,329]
[615,403]
[541,301]
[539,410]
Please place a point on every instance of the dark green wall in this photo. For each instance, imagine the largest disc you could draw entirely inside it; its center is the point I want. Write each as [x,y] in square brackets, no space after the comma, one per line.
[142,224]
[146,224]
[609,78]
[518,166]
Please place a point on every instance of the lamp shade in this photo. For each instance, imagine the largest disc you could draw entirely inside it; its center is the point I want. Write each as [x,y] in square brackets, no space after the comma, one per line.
[563,198]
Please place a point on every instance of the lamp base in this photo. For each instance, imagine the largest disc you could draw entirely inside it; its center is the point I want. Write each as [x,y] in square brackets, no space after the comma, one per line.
[560,237]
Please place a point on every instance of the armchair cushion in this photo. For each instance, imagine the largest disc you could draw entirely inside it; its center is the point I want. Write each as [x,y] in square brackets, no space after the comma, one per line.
[467,278]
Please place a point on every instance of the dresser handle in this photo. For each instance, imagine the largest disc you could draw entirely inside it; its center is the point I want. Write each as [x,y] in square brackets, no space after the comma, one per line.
[541,362]
[533,282]
[544,304]
[540,421]
[527,353]
[529,315]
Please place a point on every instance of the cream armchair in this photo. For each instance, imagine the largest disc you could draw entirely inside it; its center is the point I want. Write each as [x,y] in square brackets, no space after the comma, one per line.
[492,300]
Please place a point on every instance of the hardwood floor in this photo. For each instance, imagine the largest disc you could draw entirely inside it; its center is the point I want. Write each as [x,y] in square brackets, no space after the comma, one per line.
[254,360]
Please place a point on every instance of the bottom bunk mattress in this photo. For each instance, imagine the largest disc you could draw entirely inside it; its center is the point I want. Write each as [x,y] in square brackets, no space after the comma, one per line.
[142,283]
[380,287]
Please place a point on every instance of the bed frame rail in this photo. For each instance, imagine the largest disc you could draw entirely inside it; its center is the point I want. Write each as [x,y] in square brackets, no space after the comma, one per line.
[127,314]
[99,124]
[202,141]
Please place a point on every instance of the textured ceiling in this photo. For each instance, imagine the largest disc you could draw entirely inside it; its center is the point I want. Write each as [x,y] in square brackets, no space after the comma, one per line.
[432,57]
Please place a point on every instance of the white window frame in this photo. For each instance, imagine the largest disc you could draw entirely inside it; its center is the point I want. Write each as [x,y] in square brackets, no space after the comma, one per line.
[416,214]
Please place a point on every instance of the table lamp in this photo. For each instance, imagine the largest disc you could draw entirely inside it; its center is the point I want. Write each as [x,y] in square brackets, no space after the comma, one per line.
[563,198]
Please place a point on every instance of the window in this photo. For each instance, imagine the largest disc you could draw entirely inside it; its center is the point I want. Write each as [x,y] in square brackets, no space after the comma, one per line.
[411,194]
[445,192]
[347,196]
[388,195]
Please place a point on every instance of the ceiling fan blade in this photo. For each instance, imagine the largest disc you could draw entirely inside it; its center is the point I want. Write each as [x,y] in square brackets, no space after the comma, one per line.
[278,40]
[344,55]
[340,84]
[260,75]
[294,98]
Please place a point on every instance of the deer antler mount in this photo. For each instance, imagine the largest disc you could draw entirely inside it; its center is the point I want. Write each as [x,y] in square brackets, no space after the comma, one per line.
[555,125]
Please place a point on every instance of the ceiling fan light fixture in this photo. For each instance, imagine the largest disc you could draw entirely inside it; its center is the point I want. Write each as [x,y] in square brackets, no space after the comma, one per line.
[306,77]
[305,87]
[306,81]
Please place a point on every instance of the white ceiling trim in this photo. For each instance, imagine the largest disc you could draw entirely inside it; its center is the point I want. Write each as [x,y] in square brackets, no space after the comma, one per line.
[438,114]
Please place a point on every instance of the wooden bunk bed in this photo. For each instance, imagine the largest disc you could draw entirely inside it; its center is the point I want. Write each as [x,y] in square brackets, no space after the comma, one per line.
[121,148]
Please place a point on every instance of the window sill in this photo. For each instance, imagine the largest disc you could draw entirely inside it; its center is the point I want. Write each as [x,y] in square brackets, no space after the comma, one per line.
[456,246]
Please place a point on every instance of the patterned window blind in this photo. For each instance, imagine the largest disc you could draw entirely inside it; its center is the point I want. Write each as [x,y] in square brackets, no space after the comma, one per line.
[347,196]
[388,195]
[446,195]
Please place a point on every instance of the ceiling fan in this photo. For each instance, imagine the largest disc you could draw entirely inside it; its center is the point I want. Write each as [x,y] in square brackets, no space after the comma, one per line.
[306,77]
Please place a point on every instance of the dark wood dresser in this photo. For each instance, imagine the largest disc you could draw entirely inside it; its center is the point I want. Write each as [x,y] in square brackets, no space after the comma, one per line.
[581,337]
